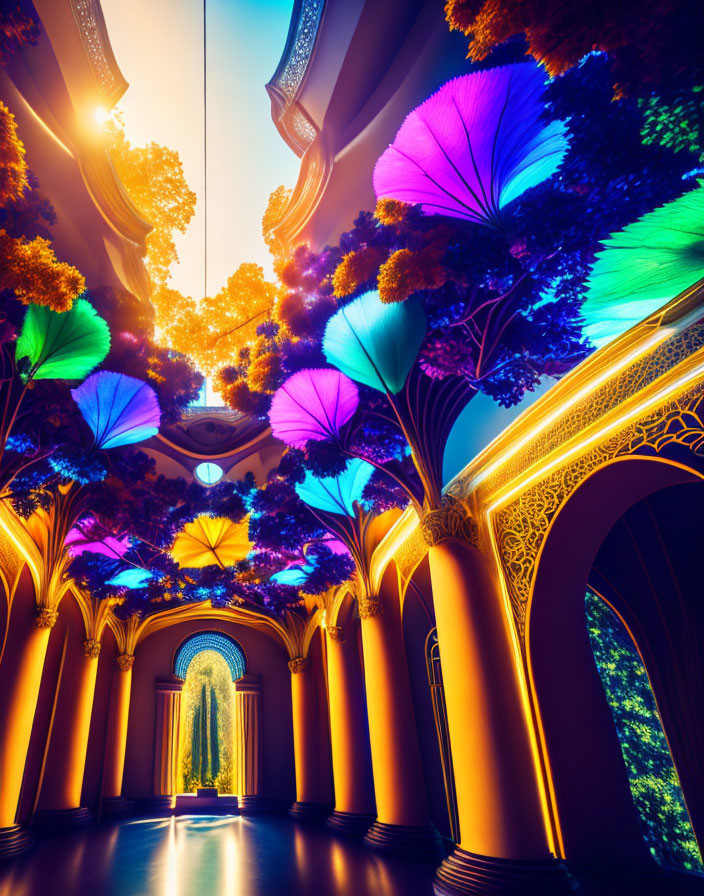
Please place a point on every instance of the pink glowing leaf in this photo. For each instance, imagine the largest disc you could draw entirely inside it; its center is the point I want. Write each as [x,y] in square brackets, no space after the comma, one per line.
[312,404]
[79,540]
[474,146]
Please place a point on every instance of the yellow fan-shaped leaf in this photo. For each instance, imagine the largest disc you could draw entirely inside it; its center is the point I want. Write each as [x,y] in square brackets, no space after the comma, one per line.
[211,541]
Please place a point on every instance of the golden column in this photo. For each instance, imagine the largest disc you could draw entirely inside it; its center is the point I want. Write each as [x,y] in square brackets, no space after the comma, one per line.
[168,715]
[313,797]
[21,678]
[248,743]
[503,839]
[403,824]
[118,716]
[39,542]
[62,782]
[351,760]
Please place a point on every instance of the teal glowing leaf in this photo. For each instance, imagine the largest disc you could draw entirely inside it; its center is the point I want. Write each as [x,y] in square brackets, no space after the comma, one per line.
[376,343]
[293,575]
[337,494]
[644,266]
[119,409]
[66,345]
[132,577]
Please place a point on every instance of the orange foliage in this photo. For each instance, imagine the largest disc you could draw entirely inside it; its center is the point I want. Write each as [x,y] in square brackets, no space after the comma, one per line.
[390,211]
[238,395]
[278,201]
[153,176]
[13,168]
[263,370]
[406,271]
[356,268]
[32,271]
[213,330]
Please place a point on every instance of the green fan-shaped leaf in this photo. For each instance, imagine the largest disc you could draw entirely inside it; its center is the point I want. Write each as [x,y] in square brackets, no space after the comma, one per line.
[65,345]
[644,266]
[375,343]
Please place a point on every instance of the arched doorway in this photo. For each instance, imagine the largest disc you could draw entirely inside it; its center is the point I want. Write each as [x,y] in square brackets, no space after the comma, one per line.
[597,821]
[654,782]
[209,663]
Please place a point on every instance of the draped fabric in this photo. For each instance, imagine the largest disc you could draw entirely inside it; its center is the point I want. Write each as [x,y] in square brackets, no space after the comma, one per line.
[248,742]
[168,715]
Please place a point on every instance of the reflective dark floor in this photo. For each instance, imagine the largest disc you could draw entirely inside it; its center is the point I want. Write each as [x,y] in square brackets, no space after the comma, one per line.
[209,856]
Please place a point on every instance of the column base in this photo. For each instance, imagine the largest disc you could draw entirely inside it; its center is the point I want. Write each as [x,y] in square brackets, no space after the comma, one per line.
[14,840]
[467,874]
[349,824]
[156,805]
[421,842]
[55,820]
[309,811]
[115,807]
[256,805]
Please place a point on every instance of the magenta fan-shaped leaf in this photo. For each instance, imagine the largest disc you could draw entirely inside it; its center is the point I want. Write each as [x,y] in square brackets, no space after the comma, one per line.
[119,409]
[312,404]
[474,146]
[80,541]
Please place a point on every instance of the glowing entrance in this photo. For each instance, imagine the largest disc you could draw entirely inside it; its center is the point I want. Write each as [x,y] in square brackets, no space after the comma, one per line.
[209,663]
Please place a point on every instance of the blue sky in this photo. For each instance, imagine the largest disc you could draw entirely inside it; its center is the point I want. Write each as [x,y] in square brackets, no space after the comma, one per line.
[158,45]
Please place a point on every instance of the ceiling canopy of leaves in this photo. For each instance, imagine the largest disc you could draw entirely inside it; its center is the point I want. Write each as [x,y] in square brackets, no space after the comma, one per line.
[510,204]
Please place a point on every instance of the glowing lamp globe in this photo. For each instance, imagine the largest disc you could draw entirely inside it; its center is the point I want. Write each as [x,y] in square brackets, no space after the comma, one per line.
[208,473]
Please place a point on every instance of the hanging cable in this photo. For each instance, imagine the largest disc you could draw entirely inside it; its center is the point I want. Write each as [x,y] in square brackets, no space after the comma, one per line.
[205,153]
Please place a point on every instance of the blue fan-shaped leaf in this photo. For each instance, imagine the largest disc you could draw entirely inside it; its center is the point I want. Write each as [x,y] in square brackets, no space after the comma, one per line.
[132,577]
[119,409]
[337,494]
[376,343]
[293,575]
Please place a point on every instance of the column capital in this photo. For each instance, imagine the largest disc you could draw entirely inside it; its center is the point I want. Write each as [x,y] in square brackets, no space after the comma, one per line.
[91,648]
[168,684]
[297,664]
[336,632]
[125,661]
[451,520]
[250,683]
[46,617]
[370,606]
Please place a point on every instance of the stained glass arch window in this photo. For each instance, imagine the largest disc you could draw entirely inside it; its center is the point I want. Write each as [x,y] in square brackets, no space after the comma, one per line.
[227,647]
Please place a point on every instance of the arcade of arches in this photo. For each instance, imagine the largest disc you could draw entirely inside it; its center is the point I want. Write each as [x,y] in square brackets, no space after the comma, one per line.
[359,712]
[480,671]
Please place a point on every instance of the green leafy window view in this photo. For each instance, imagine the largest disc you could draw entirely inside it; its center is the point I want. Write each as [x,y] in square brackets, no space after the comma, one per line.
[654,783]
[206,749]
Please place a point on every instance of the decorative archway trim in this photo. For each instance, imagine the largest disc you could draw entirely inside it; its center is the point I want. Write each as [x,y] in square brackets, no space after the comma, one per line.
[221,643]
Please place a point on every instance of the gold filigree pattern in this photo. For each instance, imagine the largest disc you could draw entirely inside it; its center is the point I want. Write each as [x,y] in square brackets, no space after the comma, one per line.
[335,632]
[411,552]
[125,661]
[613,392]
[678,426]
[520,528]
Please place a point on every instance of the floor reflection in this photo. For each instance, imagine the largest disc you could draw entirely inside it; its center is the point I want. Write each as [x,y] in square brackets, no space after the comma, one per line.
[220,856]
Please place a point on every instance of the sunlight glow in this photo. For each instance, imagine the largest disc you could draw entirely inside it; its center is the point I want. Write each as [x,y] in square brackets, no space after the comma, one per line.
[101,116]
